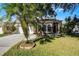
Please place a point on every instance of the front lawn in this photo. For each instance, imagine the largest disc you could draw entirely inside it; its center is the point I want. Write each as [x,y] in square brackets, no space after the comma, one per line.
[1,35]
[60,46]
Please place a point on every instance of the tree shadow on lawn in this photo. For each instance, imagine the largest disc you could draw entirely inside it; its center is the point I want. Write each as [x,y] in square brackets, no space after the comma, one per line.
[42,40]
[74,35]
[60,35]
[45,39]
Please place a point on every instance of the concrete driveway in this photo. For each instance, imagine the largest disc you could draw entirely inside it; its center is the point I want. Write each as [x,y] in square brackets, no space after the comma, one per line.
[8,41]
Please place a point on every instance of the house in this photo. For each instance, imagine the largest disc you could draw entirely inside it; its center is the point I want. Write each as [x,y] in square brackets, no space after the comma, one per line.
[50,25]
[1,31]
[17,26]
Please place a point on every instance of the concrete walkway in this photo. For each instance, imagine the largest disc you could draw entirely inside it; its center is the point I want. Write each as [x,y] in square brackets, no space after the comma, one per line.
[8,41]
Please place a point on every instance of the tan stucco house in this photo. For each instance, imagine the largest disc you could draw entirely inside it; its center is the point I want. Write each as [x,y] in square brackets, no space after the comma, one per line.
[49,26]
[1,31]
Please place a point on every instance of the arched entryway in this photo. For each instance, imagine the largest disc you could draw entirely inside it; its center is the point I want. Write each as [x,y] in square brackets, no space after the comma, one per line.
[55,27]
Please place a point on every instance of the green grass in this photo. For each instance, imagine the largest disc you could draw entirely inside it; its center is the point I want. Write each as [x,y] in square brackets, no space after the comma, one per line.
[1,35]
[63,46]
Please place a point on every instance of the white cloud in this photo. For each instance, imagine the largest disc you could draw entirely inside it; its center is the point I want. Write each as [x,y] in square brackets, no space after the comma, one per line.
[60,9]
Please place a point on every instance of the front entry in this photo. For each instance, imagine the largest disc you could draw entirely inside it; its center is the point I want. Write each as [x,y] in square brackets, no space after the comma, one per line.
[55,28]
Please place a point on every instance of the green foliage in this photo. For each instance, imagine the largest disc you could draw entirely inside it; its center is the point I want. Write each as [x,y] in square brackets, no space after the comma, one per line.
[8,28]
[69,25]
[1,35]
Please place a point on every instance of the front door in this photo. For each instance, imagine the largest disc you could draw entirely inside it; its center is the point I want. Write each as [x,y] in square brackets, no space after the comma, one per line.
[55,26]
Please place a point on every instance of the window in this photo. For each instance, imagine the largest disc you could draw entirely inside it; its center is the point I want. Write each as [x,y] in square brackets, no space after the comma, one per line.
[49,28]
[44,28]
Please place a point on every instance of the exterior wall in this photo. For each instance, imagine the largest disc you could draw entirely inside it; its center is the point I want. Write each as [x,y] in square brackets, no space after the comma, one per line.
[31,29]
[1,31]
[55,26]
[20,30]
[59,27]
[49,24]
[32,36]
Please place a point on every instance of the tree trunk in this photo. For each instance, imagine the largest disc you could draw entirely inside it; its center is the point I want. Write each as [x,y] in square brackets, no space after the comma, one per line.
[24,25]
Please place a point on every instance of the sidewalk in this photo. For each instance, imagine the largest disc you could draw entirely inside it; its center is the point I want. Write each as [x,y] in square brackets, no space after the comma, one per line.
[8,41]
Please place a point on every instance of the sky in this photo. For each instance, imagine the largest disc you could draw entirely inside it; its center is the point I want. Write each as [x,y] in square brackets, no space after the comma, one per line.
[60,14]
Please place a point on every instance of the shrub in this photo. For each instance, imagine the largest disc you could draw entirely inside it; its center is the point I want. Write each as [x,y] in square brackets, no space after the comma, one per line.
[8,28]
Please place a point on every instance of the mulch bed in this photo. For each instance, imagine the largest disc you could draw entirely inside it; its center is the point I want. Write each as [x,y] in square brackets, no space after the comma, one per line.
[24,45]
